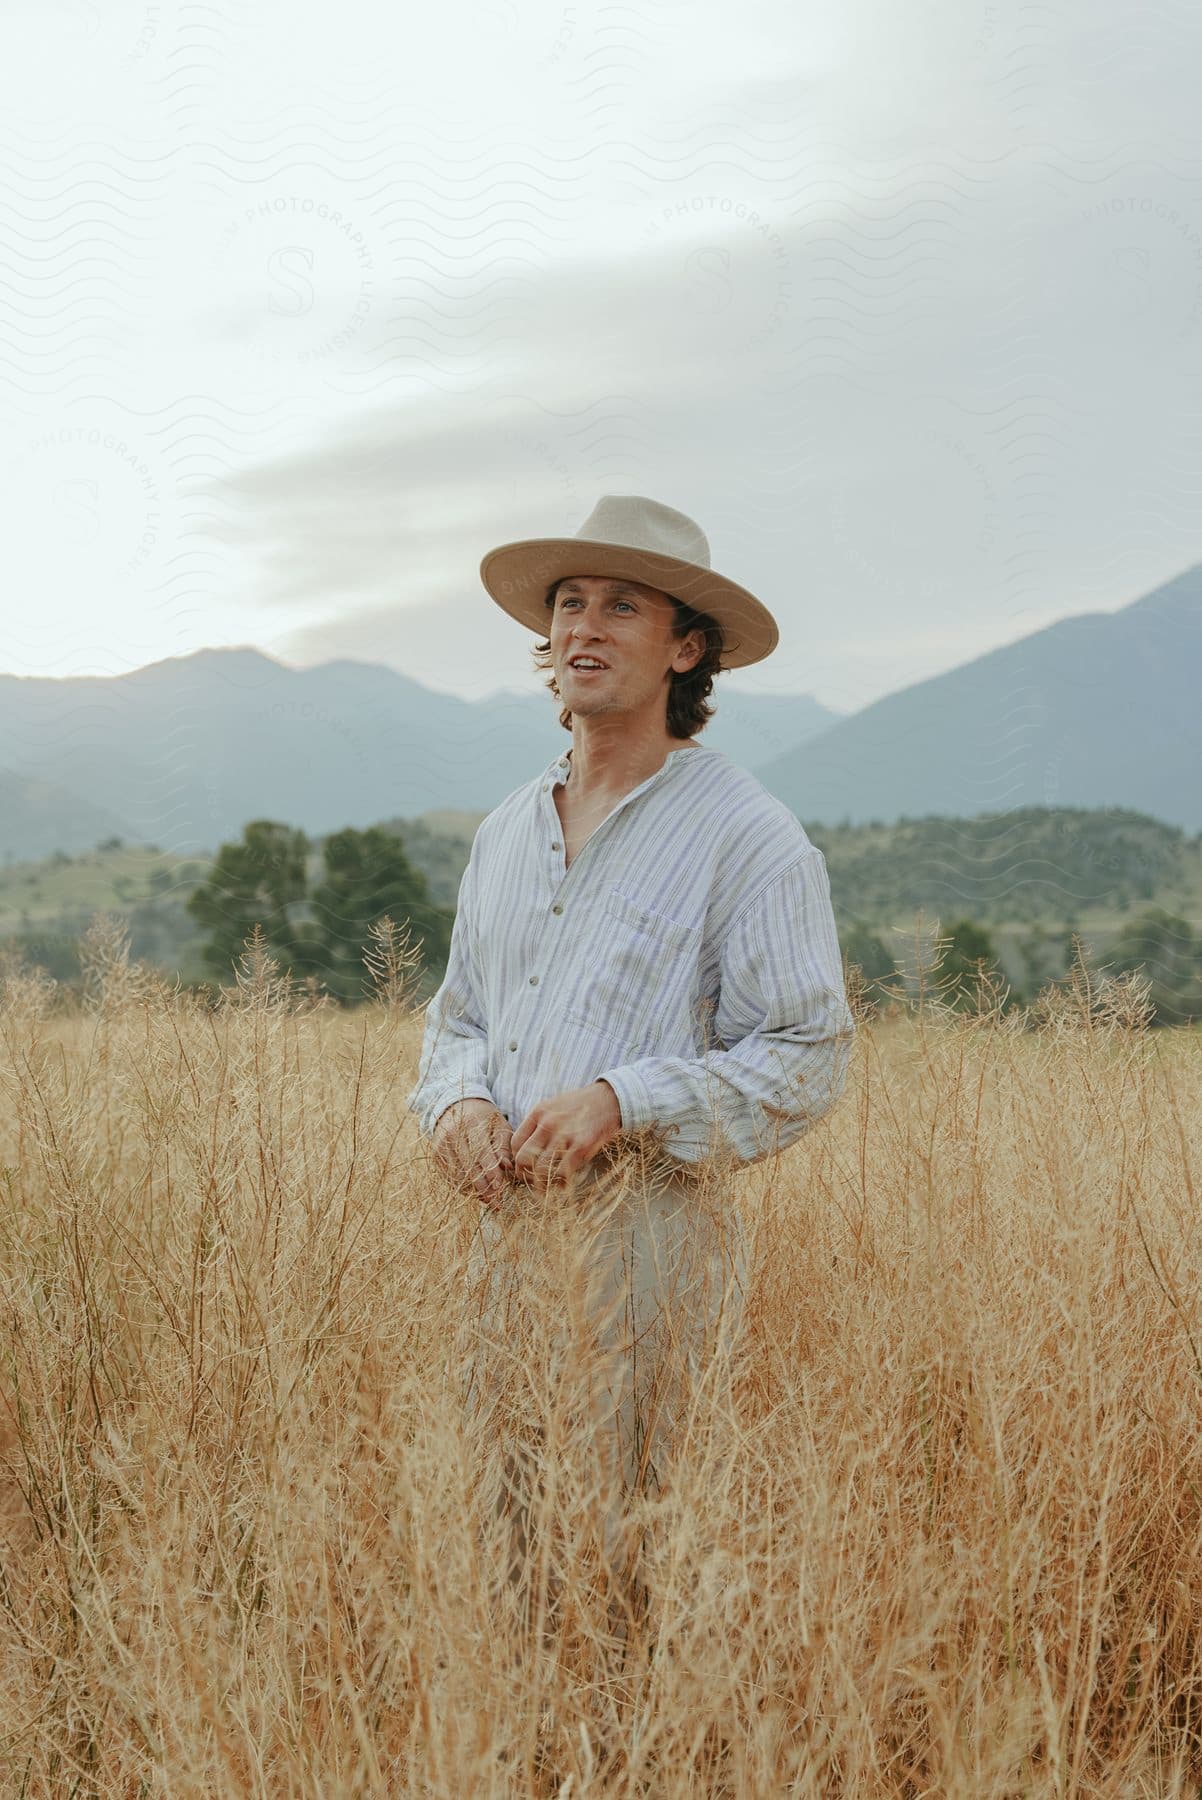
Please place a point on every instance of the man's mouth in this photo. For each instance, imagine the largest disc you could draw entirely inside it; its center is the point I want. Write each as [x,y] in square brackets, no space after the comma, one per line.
[587,665]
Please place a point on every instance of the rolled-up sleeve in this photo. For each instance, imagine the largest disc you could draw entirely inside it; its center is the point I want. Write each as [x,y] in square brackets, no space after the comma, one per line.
[782,1024]
[454,1054]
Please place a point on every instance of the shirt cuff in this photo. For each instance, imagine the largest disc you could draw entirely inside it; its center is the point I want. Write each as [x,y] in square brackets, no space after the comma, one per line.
[432,1110]
[636,1102]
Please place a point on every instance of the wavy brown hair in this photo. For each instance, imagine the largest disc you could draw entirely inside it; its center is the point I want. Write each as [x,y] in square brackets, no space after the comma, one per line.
[689,708]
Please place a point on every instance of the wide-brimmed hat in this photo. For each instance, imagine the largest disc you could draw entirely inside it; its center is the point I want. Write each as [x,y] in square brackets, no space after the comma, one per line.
[631,538]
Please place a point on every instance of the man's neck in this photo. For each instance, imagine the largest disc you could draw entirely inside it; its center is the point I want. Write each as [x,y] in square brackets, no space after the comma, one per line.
[606,760]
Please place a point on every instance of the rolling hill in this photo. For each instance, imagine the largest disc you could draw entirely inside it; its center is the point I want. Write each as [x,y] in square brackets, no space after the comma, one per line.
[38,817]
[1032,878]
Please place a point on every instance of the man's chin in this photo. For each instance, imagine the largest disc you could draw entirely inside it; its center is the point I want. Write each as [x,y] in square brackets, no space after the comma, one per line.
[589,706]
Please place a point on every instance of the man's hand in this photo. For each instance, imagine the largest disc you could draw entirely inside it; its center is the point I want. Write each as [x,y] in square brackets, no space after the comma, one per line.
[472,1144]
[558,1136]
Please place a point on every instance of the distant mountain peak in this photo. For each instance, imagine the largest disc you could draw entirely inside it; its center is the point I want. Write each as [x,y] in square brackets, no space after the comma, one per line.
[1181,592]
[1098,709]
[225,659]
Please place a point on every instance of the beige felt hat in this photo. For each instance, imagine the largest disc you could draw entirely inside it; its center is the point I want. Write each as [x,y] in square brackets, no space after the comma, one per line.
[634,539]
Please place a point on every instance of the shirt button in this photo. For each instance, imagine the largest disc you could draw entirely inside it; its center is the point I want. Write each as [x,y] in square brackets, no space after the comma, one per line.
[557,908]
[534,981]
[546,785]
[555,846]
[513,1043]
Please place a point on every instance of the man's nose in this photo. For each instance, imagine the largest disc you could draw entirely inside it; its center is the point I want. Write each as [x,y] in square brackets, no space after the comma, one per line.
[587,626]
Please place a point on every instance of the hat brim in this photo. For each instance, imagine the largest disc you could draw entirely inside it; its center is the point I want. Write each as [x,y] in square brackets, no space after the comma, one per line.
[518,575]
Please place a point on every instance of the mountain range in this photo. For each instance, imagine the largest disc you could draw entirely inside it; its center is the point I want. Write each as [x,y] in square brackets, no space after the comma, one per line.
[1102,709]
[182,753]
[1097,710]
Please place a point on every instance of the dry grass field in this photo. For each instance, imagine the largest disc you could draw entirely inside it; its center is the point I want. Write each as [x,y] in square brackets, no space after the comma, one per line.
[947,1542]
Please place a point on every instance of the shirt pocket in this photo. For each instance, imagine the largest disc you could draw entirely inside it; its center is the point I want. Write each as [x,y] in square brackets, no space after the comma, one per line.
[641,974]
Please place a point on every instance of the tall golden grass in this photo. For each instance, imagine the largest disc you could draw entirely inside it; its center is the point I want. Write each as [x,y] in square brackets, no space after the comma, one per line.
[948,1541]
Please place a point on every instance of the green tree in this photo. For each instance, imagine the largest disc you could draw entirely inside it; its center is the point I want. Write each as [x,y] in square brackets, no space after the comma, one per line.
[368,875]
[1041,962]
[969,954]
[56,952]
[1169,953]
[254,882]
[861,945]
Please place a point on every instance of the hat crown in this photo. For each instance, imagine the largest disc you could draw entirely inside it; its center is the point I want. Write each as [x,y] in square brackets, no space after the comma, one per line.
[633,522]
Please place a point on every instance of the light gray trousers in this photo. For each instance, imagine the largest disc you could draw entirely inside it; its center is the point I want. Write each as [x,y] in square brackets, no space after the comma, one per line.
[600,1328]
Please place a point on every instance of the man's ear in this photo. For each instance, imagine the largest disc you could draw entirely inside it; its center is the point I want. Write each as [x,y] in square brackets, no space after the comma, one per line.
[695,640]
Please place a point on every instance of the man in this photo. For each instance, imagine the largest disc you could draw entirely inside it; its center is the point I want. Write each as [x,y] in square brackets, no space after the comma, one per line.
[644,990]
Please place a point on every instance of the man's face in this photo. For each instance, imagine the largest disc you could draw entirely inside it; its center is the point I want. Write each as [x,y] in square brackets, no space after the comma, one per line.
[627,627]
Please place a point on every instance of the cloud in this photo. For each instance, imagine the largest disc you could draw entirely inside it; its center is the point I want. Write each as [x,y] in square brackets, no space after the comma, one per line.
[902,308]
[886,454]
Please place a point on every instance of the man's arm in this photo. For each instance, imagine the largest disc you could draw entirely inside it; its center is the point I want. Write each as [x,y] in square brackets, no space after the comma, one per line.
[454,1056]
[783,1014]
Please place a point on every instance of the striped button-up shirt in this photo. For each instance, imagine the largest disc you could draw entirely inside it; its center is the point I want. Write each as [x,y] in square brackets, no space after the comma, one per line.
[688,955]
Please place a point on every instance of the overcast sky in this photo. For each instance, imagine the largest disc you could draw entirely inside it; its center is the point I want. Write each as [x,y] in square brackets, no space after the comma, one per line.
[305,307]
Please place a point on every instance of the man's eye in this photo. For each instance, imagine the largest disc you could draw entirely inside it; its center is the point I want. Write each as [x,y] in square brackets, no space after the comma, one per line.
[574,600]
